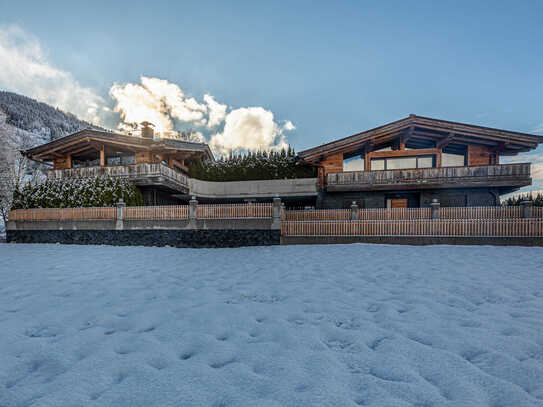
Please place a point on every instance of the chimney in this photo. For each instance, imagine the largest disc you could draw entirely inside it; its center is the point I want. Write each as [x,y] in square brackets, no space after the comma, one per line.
[147,130]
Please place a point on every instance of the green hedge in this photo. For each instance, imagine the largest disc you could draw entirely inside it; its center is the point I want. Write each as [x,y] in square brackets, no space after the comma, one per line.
[252,166]
[76,193]
[516,200]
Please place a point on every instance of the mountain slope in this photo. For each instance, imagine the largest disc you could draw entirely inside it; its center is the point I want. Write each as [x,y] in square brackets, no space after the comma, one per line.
[46,122]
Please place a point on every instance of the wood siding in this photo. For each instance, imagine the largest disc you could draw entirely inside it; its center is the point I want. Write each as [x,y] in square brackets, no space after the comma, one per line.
[478,155]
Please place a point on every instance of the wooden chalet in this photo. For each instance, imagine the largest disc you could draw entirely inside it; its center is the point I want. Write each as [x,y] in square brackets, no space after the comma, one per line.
[157,167]
[409,162]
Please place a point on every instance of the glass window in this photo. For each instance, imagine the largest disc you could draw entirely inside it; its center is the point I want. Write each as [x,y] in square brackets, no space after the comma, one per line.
[452,160]
[425,162]
[378,164]
[400,163]
[353,164]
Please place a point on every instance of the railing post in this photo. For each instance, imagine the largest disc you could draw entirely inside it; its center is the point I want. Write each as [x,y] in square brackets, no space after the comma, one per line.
[435,205]
[119,225]
[276,220]
[354,211]
[526,209]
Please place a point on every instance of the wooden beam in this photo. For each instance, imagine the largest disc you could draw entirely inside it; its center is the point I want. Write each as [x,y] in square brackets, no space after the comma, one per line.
[102,157]
[445,142]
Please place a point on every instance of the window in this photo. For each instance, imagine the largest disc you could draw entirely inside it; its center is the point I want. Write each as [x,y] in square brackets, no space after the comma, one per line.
[402,163]
[377,164]
[452,160]
[353,164]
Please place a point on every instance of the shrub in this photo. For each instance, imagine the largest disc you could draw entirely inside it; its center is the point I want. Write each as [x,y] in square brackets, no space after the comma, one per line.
[516,200]
[77,192]
[252,166]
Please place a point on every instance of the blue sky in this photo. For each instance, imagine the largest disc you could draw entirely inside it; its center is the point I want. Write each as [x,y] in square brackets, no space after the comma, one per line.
[331,68]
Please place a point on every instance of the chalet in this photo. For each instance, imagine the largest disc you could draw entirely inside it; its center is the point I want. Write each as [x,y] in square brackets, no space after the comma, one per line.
[410,162]
[406,163]
[158,167]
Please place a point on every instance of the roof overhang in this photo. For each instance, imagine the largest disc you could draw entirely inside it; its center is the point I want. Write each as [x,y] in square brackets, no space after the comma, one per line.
[84,140]
[441,131]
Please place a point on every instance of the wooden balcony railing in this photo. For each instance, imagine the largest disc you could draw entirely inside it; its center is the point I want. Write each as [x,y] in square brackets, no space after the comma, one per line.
[513,175]
[140,174]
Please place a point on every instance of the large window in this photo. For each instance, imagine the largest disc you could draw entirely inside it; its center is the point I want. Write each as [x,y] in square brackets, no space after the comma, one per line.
[353,164]
[402,163]
[452,160]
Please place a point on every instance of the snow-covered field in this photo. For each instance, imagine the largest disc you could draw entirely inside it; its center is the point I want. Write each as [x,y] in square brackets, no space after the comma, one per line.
[341,325]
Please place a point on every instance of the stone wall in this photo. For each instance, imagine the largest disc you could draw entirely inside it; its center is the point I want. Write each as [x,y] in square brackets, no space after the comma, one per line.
[149,237]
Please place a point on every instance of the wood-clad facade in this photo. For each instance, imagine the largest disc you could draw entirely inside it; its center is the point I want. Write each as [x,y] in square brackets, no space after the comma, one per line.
[157,166]
[409,162]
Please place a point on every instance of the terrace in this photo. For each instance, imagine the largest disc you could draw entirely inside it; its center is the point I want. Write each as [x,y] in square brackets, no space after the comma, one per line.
[502,175]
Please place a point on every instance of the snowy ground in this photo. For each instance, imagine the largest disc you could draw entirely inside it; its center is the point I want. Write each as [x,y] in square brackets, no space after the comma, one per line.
[271,326]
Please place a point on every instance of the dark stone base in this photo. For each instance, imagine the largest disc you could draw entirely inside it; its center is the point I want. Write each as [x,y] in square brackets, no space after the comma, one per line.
[159,238]
[417,240]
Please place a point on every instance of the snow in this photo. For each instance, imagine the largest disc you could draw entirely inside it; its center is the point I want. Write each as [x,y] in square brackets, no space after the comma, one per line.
[344,325]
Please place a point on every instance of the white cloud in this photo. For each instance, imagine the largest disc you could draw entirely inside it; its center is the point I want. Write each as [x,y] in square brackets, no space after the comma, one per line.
[217,111]
[249,128]
[539,129]
[25,69]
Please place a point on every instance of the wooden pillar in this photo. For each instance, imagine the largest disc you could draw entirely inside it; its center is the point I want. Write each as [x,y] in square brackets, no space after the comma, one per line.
[68,161]
[102,156]
[170,162]
[439,157]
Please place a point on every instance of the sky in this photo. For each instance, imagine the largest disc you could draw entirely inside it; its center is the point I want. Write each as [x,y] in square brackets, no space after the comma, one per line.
[248,74]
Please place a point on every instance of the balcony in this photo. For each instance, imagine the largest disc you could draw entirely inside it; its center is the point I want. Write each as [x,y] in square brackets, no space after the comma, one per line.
[158,175]
[500,176]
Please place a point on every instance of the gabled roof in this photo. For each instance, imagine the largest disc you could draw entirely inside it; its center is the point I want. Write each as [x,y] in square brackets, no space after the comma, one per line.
[503,141]
[84,137]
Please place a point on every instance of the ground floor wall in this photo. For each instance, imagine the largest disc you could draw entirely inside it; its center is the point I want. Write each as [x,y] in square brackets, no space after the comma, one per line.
[415,199]
[148,237]
[416,240]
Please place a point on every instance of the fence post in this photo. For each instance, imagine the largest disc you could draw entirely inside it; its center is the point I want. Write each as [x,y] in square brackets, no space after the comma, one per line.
[283,213]
[193,213]
[120,215]
[435,205]
[526,209]
[276,221]
[354,211]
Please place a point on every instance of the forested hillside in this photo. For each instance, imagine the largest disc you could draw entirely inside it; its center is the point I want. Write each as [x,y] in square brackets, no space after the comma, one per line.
[45,121]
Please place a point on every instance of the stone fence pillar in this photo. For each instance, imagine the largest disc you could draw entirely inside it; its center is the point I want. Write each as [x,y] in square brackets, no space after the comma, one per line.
[526,209]
[354,211]
[276,222]
[193,206]
[120,214]
[435,205]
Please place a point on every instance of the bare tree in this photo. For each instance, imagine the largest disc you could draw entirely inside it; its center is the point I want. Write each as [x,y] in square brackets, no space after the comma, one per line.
[14,167]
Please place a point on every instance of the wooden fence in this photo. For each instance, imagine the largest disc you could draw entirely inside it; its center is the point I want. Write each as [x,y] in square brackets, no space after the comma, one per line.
[156,212]
[63,214]
[482,212]
[422,227]
[256,210]
[232,211]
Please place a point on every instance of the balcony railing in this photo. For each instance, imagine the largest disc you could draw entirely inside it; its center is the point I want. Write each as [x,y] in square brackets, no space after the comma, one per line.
[504,175]
[140,174]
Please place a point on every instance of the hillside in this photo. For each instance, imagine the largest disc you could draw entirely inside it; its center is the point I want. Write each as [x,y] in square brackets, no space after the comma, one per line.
[46,122]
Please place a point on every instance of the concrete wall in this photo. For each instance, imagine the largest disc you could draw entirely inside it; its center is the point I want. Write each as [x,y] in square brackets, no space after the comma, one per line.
[253,189]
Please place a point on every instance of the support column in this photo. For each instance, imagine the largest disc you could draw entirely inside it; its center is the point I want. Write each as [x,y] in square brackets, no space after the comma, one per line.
[102,156]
